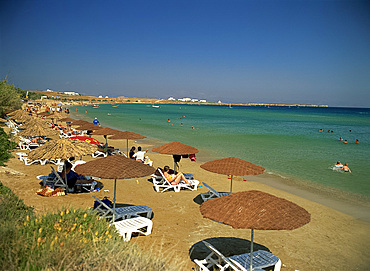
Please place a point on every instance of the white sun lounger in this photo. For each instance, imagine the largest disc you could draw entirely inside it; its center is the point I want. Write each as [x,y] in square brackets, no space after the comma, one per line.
[212,194]
[165,185]
[261,259]
[138,224]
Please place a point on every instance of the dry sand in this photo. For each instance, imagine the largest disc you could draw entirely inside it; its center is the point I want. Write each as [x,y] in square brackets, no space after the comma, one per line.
[331,241]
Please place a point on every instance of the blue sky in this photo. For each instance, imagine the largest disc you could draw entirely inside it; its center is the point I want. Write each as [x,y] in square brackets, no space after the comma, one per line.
[233,51]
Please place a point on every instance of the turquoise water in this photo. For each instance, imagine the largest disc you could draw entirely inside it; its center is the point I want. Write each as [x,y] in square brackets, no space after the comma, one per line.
[286,141]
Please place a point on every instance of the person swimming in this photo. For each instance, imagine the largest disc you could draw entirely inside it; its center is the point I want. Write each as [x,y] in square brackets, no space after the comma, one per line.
[346,168]
[338,166]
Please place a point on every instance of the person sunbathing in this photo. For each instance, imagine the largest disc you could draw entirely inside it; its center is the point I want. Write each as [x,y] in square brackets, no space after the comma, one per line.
[174,179]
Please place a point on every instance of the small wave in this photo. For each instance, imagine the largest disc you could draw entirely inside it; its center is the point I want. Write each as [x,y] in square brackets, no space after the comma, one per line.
[334,168]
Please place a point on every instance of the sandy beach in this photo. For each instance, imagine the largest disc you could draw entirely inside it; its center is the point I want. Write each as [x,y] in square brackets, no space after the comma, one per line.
[332,240]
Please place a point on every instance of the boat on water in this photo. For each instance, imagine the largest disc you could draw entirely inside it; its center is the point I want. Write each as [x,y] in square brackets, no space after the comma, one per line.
[116,105]
[95,105]
[155,106]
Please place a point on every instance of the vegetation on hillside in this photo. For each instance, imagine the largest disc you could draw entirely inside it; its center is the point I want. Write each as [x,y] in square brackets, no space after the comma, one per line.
[5,147]
[67,239]
[9,98]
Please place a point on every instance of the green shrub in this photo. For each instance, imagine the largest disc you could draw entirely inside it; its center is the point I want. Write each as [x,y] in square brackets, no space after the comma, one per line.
[5,147]
[67,239]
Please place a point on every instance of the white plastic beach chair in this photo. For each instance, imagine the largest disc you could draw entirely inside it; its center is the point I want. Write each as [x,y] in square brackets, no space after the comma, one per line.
[129,226]
[165,185]
[211,194]
[105,211]
[261,259]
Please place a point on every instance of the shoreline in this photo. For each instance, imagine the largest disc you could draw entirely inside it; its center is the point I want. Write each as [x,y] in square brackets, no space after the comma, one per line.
[347,203]
[332,240]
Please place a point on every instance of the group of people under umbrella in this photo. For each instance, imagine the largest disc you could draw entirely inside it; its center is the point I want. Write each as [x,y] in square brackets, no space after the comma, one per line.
[242,210]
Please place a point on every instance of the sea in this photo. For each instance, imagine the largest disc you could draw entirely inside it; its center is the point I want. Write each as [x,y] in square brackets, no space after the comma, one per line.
[298,144]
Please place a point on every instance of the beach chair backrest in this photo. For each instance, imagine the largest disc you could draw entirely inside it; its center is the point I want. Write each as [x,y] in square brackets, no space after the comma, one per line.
[103,209]
[164,178]
[221,257]
[214,192]
[59,182]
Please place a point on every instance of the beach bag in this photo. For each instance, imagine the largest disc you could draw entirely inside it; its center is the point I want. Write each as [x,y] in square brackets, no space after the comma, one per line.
[105,200]
[192,157]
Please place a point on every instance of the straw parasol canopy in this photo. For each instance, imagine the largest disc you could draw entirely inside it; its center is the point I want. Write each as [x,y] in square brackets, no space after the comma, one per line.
[38,130]
[233,166]
[3,120]
[105,132]
[127,135]
[21,116]
[255,210]
[62,149]
[88,126]
[17,113]
[115,167]
[44,114]
[175,148]
[68,119]
[79,122]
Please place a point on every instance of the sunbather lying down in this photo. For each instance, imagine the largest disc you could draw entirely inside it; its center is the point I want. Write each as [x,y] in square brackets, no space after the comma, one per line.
[174,178]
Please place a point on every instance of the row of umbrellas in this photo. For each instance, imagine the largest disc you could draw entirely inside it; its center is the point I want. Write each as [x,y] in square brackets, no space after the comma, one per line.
[242,210]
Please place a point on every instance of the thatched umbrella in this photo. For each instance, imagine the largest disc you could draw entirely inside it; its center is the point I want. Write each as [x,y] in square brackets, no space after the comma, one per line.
[67,120]
[127,135]
[115,167]
[17,113]
[234,167]
[175,148]
[3,120]
[105,132]
[80,122]
[89,126]
[44,114]
[255,210]
[21,116]
[38,130]
[62,149]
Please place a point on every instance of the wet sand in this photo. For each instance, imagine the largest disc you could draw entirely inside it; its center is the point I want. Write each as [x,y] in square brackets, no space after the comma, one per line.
[332,240]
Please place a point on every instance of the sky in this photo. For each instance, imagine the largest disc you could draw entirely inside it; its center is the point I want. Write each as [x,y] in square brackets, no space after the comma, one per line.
[236,51]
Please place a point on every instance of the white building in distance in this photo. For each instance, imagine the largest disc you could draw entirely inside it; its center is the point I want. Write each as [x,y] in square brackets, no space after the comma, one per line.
[171,99]
[70,93]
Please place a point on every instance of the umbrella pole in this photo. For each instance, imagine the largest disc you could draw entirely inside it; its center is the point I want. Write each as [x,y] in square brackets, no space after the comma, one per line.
[251,258]
[65,176]
[231,184]
[106,144]
[114,199]
[174,165]
[127,148]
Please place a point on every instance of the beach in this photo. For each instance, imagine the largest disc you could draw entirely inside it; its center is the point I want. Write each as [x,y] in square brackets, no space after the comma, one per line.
[332,240]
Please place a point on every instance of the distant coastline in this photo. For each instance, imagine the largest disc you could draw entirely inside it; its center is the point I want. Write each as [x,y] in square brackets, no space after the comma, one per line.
[88,100]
